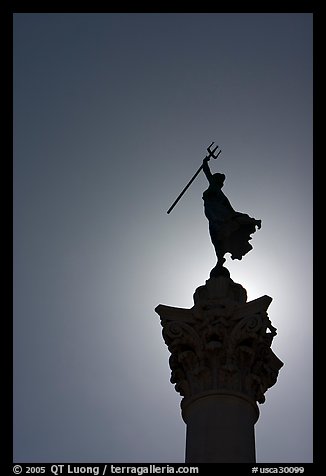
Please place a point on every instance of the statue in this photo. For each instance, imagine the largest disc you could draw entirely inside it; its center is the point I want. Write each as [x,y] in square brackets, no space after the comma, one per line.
[229,230]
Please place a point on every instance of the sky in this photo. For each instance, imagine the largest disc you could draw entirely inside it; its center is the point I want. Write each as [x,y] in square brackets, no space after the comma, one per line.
[112,116]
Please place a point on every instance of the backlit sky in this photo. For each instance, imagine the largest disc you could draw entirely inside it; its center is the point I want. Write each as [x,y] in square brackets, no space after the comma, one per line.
[112,116]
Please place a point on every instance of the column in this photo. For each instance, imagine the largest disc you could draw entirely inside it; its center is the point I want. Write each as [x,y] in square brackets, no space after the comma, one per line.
[221,364]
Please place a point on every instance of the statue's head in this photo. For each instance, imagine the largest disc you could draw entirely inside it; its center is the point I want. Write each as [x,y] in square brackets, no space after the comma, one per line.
[219,179]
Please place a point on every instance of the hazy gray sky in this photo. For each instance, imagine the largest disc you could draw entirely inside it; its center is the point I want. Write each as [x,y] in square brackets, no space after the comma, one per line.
[112,115]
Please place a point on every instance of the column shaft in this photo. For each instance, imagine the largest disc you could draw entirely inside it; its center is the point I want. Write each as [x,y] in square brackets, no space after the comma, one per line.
[220,429]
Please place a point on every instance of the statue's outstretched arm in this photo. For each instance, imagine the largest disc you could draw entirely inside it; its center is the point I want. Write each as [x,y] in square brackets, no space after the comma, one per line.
[207,170]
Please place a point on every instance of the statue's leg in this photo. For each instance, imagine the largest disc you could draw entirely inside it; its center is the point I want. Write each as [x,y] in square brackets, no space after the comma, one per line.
[219,269]
[218,245]
[220,258]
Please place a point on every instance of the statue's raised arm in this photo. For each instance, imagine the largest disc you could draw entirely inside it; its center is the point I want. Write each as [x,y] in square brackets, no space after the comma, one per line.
[207,170]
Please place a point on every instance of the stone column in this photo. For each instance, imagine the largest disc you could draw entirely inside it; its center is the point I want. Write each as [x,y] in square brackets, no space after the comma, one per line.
[221,364]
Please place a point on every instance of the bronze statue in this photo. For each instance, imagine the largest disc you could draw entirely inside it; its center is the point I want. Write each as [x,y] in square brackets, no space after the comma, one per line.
[229,230]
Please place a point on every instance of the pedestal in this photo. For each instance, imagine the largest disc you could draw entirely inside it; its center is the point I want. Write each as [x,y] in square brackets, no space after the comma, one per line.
[221,364]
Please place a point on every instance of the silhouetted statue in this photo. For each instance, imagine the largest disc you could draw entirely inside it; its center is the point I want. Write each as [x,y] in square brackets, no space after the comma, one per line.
[229,230]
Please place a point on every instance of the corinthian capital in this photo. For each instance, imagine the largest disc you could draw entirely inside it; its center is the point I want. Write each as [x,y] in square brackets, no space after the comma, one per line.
[222,344]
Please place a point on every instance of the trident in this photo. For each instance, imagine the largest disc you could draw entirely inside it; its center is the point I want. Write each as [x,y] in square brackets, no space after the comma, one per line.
[210,154]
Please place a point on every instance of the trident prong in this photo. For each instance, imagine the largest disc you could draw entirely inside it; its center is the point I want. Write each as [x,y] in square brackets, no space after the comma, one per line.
[209,147]
[210,154]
